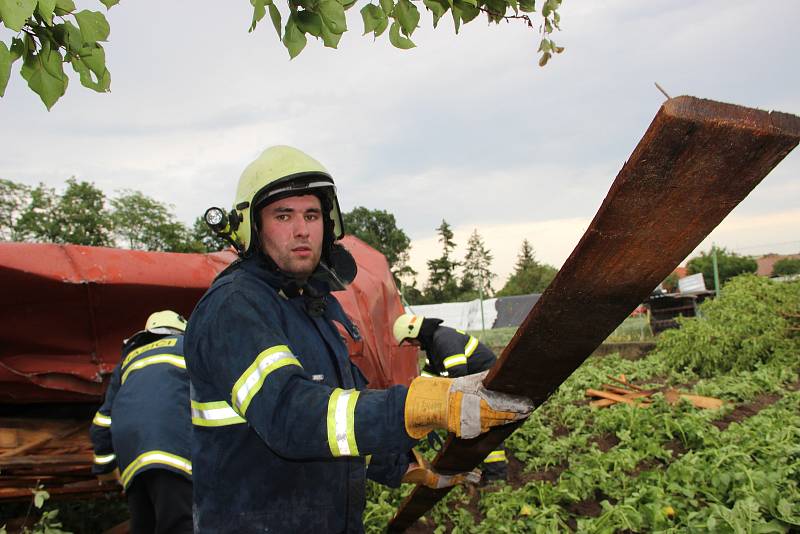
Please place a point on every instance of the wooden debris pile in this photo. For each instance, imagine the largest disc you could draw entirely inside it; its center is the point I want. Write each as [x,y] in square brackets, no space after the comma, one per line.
[56,454]
[624,392]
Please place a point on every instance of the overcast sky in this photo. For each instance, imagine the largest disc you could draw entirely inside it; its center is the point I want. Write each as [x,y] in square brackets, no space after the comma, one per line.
[464,128]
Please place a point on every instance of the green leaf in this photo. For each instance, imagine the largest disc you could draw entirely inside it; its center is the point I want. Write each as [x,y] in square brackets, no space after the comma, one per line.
[39,496]
[371,15]
[17,49]
[407,15]
[93,24]
[544,45]
[437,8]
[468,11]
[5,67]
[90,64]
[527,6]
[45,9]
[397,40]
[37,71]
[387,6]
[69,36]
[309,22]
[109,3]
[275,15]
[259,10]
[332,13]
[15,12]
[330,39]
[293,39]
[456,12]
[95,59]
[64,7]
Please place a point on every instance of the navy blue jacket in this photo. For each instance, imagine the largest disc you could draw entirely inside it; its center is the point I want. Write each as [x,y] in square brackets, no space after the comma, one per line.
[455,353]
[144,422]
[283,423]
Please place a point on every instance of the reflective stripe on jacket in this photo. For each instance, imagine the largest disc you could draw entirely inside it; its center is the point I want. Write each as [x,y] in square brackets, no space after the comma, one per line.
[282,419]
[144,422]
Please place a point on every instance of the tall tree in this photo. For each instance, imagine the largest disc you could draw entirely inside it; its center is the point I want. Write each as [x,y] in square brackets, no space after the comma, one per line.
[82,215]
[13,199]
[53,33]
[529,275]
[378,228]
[477,277]
[143,223]
[442,285]
[729,264]
[77,216]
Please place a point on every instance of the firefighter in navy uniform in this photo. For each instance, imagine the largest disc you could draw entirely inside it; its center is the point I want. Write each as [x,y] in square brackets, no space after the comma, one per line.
[142,432]
[285,431]
[451,353]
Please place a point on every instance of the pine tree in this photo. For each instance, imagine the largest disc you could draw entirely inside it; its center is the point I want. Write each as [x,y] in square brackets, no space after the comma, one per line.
[529,275]
[442,285]
[477,277]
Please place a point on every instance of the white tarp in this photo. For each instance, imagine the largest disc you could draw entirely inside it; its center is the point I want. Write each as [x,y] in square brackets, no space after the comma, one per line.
[461,315]
[692,284]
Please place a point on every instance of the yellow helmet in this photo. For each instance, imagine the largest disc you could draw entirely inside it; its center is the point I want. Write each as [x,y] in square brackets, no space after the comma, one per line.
[407,326]
[161,320]
[283,171]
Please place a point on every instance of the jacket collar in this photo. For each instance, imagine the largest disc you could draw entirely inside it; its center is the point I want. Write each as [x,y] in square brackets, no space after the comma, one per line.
[261,267]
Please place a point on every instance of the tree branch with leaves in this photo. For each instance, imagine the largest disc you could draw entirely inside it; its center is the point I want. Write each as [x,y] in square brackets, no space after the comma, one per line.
[52,33]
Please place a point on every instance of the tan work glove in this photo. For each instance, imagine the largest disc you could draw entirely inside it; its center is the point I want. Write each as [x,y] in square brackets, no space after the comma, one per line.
[111,476]
[460,405]
[421,472]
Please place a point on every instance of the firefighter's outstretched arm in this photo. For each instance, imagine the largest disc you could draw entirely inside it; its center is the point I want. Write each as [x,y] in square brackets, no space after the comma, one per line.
[461,405]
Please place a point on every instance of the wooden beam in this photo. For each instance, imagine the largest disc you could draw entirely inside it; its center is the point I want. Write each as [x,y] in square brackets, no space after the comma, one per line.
[694,164]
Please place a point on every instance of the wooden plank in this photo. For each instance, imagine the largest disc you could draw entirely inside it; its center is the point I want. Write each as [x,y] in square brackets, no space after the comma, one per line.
[602,403]
[613,397]
[619,390]
[37,460]
[694,164]
[624,383]
[673,396]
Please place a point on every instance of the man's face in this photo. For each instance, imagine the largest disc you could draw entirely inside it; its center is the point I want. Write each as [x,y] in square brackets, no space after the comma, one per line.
[291,234]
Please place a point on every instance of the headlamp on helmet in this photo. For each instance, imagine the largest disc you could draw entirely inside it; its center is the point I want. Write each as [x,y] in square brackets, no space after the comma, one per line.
[224,225]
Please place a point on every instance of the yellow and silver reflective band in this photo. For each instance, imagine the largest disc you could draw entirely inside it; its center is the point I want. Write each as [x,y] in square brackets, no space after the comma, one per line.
[472,344]
[455,359]
[341,422]
[496,456]
[426,374]
[155,457]
[172,359]
[253,378]
[104,459]
[161,343]
[217,413]
[101,420]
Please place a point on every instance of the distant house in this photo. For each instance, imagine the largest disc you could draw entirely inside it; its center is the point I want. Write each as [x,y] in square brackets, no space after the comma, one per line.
[767,262]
